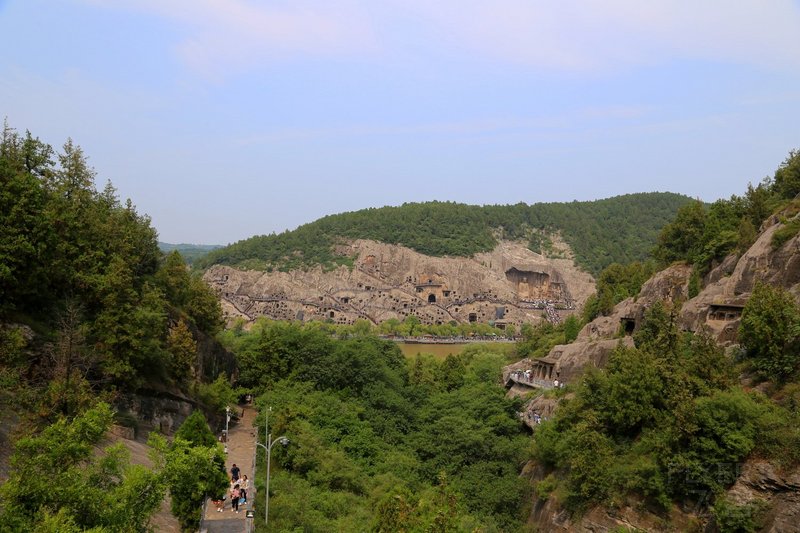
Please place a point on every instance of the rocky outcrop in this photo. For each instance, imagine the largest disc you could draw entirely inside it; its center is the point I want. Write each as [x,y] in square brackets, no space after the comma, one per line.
[716,310]
[670,285]
[510,285]
[718,307]
[761,481]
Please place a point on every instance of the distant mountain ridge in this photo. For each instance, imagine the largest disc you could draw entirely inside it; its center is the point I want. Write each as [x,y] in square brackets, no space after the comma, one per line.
[190,252]
[621,229]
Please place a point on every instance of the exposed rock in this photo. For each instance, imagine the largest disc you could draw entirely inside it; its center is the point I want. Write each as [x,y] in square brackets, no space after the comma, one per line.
[161,410]
[509,285]
[718,307]
[761,481]
[571,360]
[549,516]
[670,285]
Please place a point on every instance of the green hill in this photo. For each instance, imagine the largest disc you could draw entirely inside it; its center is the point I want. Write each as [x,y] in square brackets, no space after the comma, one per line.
[189,252]
[620,229]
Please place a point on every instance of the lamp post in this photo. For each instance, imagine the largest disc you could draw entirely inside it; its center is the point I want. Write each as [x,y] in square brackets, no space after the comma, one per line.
[227,419]
[268,447]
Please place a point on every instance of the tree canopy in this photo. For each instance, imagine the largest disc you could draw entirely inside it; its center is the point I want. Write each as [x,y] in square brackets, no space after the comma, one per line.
[621,229]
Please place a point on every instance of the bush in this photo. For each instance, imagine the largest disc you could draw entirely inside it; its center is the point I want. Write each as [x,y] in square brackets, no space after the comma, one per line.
[732,518]
[785,234]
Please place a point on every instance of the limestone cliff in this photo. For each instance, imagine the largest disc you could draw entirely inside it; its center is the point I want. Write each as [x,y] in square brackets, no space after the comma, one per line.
[715,310]
[509,285]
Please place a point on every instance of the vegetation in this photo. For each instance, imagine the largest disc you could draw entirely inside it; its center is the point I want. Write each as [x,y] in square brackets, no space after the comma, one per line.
[189,252]
[621,230]
[89,309]
[86,270]
[665,420]
[770,333]
[366,427]
[614,284]
[58,483]
[702,235]
[194,469]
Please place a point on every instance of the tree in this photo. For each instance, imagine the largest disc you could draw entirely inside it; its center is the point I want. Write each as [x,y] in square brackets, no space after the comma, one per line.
[787,177]
[183,348]
[59,470]
[195,430]
[194,469]
[770,332]
[682,239]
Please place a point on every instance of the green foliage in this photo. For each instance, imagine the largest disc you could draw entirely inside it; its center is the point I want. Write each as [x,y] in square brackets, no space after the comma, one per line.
[58,471]
[785,234]
[786,182]
[770,332]
[64,245]
[195,430]
[621,229]
[183,349]
[366,428]
[216,395]
[189,252]
[194,469]
[702,235]
[732,518]
[663,421]
[615,283]
[537,341]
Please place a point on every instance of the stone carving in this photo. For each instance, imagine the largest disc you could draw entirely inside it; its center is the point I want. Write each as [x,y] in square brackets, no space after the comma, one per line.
[510,285]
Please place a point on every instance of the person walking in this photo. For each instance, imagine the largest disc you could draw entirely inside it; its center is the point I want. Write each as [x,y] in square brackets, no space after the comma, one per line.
[235,495]
[235,472]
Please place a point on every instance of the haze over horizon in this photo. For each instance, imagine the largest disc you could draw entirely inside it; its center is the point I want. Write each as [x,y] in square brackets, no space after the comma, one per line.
[226,119]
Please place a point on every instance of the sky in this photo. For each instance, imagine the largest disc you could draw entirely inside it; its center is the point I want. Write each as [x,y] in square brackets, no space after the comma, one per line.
[223,119]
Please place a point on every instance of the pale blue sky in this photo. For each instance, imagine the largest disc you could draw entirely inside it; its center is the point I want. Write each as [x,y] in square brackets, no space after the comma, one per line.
[223,119]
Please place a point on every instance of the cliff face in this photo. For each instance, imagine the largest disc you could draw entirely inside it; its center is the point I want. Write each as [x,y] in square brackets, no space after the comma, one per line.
[510,285]
[716,310]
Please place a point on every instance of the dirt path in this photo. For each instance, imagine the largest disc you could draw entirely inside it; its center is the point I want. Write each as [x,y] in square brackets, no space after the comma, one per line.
[241,450]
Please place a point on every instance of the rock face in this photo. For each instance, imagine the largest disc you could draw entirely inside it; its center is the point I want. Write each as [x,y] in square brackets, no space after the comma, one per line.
[717,310]
[510,285]
[718,307]
[761,481]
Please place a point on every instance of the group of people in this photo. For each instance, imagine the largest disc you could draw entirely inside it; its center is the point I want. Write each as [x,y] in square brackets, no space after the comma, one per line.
[237,492]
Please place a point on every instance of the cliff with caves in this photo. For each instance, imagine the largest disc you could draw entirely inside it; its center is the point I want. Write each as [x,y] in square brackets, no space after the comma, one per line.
[508,285]
[716,310]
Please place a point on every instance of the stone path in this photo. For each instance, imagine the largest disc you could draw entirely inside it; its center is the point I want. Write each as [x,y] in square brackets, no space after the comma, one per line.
[241,450]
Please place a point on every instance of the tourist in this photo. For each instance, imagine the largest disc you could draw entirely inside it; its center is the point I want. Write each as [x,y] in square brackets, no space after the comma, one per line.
[235,472]
[235,495]
[219,502]
[555,383]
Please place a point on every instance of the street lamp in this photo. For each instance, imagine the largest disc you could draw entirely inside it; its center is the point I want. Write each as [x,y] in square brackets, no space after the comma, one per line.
[227,419]
[268,447]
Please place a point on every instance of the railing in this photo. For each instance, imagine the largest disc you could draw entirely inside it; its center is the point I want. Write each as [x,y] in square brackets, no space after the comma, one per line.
[533,382]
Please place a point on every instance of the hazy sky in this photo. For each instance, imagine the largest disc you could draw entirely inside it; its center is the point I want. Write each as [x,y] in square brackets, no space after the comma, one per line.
[223,119]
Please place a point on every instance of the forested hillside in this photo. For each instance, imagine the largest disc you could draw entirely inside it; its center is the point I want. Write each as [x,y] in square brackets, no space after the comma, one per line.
[189,252]
[78,264]
[381,443]
[621,229]
[90,311]
[675,418]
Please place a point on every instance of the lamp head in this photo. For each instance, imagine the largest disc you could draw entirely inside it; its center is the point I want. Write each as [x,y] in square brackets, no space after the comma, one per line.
[284,441]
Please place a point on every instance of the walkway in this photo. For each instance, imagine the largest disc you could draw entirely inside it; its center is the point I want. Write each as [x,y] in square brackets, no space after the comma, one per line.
[532,382]
[241,450]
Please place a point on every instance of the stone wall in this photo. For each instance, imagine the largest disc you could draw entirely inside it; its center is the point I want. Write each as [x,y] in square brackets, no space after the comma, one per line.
[511,285]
